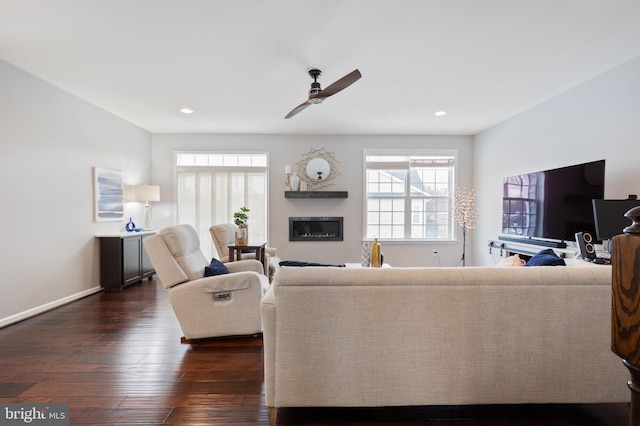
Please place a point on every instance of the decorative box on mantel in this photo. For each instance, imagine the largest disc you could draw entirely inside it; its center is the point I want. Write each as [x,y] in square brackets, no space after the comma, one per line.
[316,194]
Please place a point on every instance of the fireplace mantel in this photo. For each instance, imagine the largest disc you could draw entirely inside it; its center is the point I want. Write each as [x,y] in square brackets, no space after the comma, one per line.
[316,194]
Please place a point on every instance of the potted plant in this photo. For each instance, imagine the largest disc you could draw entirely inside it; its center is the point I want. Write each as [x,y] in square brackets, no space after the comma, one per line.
[240,218]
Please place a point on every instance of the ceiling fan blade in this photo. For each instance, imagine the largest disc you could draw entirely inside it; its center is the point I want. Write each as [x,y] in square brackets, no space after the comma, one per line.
[339,85]
[298,109]
[332,89]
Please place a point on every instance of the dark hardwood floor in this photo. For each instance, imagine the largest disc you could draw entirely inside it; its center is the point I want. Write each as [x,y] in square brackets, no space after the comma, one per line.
[116,358]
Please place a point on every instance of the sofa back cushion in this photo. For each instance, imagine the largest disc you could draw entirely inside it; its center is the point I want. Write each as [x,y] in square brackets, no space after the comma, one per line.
[447,276]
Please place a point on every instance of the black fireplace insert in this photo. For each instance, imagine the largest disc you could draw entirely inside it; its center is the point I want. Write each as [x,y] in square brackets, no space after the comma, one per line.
[316,229]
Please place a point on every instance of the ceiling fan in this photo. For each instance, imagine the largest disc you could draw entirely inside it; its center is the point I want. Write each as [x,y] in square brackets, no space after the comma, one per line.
[317,95]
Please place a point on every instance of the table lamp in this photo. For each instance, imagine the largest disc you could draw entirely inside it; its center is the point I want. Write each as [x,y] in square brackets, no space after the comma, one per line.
[146,194]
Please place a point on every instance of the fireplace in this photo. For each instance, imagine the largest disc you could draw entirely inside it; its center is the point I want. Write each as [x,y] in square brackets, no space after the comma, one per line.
[315,229]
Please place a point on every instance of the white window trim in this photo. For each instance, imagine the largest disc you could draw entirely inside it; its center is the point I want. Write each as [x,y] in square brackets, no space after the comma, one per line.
[409,152]
[177,168]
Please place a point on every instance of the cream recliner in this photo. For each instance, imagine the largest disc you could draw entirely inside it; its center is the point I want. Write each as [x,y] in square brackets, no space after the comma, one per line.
[221,305]
[223,235]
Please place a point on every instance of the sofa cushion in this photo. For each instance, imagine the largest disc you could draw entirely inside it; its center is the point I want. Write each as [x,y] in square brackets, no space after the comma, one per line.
[511,261]
[215,268]
[546,257]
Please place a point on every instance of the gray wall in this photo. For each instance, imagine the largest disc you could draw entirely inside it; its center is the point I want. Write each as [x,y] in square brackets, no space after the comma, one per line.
[599,119]
[288,149]
[50,141]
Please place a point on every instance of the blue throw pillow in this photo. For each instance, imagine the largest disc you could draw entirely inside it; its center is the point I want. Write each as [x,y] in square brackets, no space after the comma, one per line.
[215,268]
[546,257]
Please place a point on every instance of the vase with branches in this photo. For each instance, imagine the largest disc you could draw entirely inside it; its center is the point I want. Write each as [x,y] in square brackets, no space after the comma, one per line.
[465,213]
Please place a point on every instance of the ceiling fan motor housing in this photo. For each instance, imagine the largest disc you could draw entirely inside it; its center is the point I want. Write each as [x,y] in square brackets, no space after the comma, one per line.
[315,89]
[315,86]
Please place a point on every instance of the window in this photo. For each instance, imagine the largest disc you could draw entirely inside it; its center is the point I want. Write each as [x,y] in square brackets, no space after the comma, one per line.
[408,195]
[212,186]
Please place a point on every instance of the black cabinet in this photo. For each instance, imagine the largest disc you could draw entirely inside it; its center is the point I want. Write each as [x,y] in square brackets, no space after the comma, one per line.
[123,260]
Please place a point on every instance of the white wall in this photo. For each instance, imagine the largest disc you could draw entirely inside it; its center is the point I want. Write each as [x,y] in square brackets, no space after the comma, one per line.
[289,149]
[599,119]
[50,141]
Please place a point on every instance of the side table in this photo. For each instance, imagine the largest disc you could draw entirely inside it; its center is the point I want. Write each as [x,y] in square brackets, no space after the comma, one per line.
[235,253]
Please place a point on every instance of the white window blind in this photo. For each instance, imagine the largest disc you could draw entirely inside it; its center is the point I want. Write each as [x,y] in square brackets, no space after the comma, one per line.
[212,186]
[408,195]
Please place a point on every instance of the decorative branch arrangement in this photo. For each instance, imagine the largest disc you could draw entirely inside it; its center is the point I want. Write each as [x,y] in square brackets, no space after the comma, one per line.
[465,213]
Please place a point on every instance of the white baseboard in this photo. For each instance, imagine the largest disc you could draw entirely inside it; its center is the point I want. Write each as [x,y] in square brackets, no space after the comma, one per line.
[47,307]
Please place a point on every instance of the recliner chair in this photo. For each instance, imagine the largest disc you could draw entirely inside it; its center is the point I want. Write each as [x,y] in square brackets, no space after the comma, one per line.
[223,235]
[220,305]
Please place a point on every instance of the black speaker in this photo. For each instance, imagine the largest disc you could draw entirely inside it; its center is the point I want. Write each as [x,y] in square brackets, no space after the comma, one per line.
[584,241]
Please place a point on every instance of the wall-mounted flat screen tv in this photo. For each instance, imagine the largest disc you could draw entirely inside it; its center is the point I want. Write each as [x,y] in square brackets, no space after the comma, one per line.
[552,204]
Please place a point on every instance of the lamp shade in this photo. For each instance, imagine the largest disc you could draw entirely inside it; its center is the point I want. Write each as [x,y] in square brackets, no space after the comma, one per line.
[146,193]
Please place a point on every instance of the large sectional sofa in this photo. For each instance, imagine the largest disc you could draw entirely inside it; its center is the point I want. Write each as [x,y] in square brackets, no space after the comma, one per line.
[369,337]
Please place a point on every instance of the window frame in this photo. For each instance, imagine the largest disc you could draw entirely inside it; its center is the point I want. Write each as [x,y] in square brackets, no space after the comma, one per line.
[206,244]
[408,198]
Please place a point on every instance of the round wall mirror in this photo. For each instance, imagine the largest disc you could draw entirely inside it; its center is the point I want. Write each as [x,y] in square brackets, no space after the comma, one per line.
[318,169]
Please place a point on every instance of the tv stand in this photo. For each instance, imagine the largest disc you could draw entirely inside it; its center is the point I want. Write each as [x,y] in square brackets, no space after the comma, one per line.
[533,241]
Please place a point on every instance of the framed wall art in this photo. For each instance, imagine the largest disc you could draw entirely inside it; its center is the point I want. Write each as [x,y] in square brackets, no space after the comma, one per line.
[108,195]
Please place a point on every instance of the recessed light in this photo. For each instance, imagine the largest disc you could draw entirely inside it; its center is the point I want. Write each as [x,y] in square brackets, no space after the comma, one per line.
[186,110]
[440,113]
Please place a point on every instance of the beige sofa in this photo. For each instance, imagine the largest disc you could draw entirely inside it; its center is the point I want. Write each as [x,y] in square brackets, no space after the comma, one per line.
[439,336]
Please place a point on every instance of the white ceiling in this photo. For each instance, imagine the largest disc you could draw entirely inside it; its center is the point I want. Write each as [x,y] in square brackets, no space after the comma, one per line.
[242,64]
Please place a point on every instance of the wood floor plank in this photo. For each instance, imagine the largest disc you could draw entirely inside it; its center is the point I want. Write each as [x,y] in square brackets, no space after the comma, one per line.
[113,416]
[211,400]
[116,358]
[12,390]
